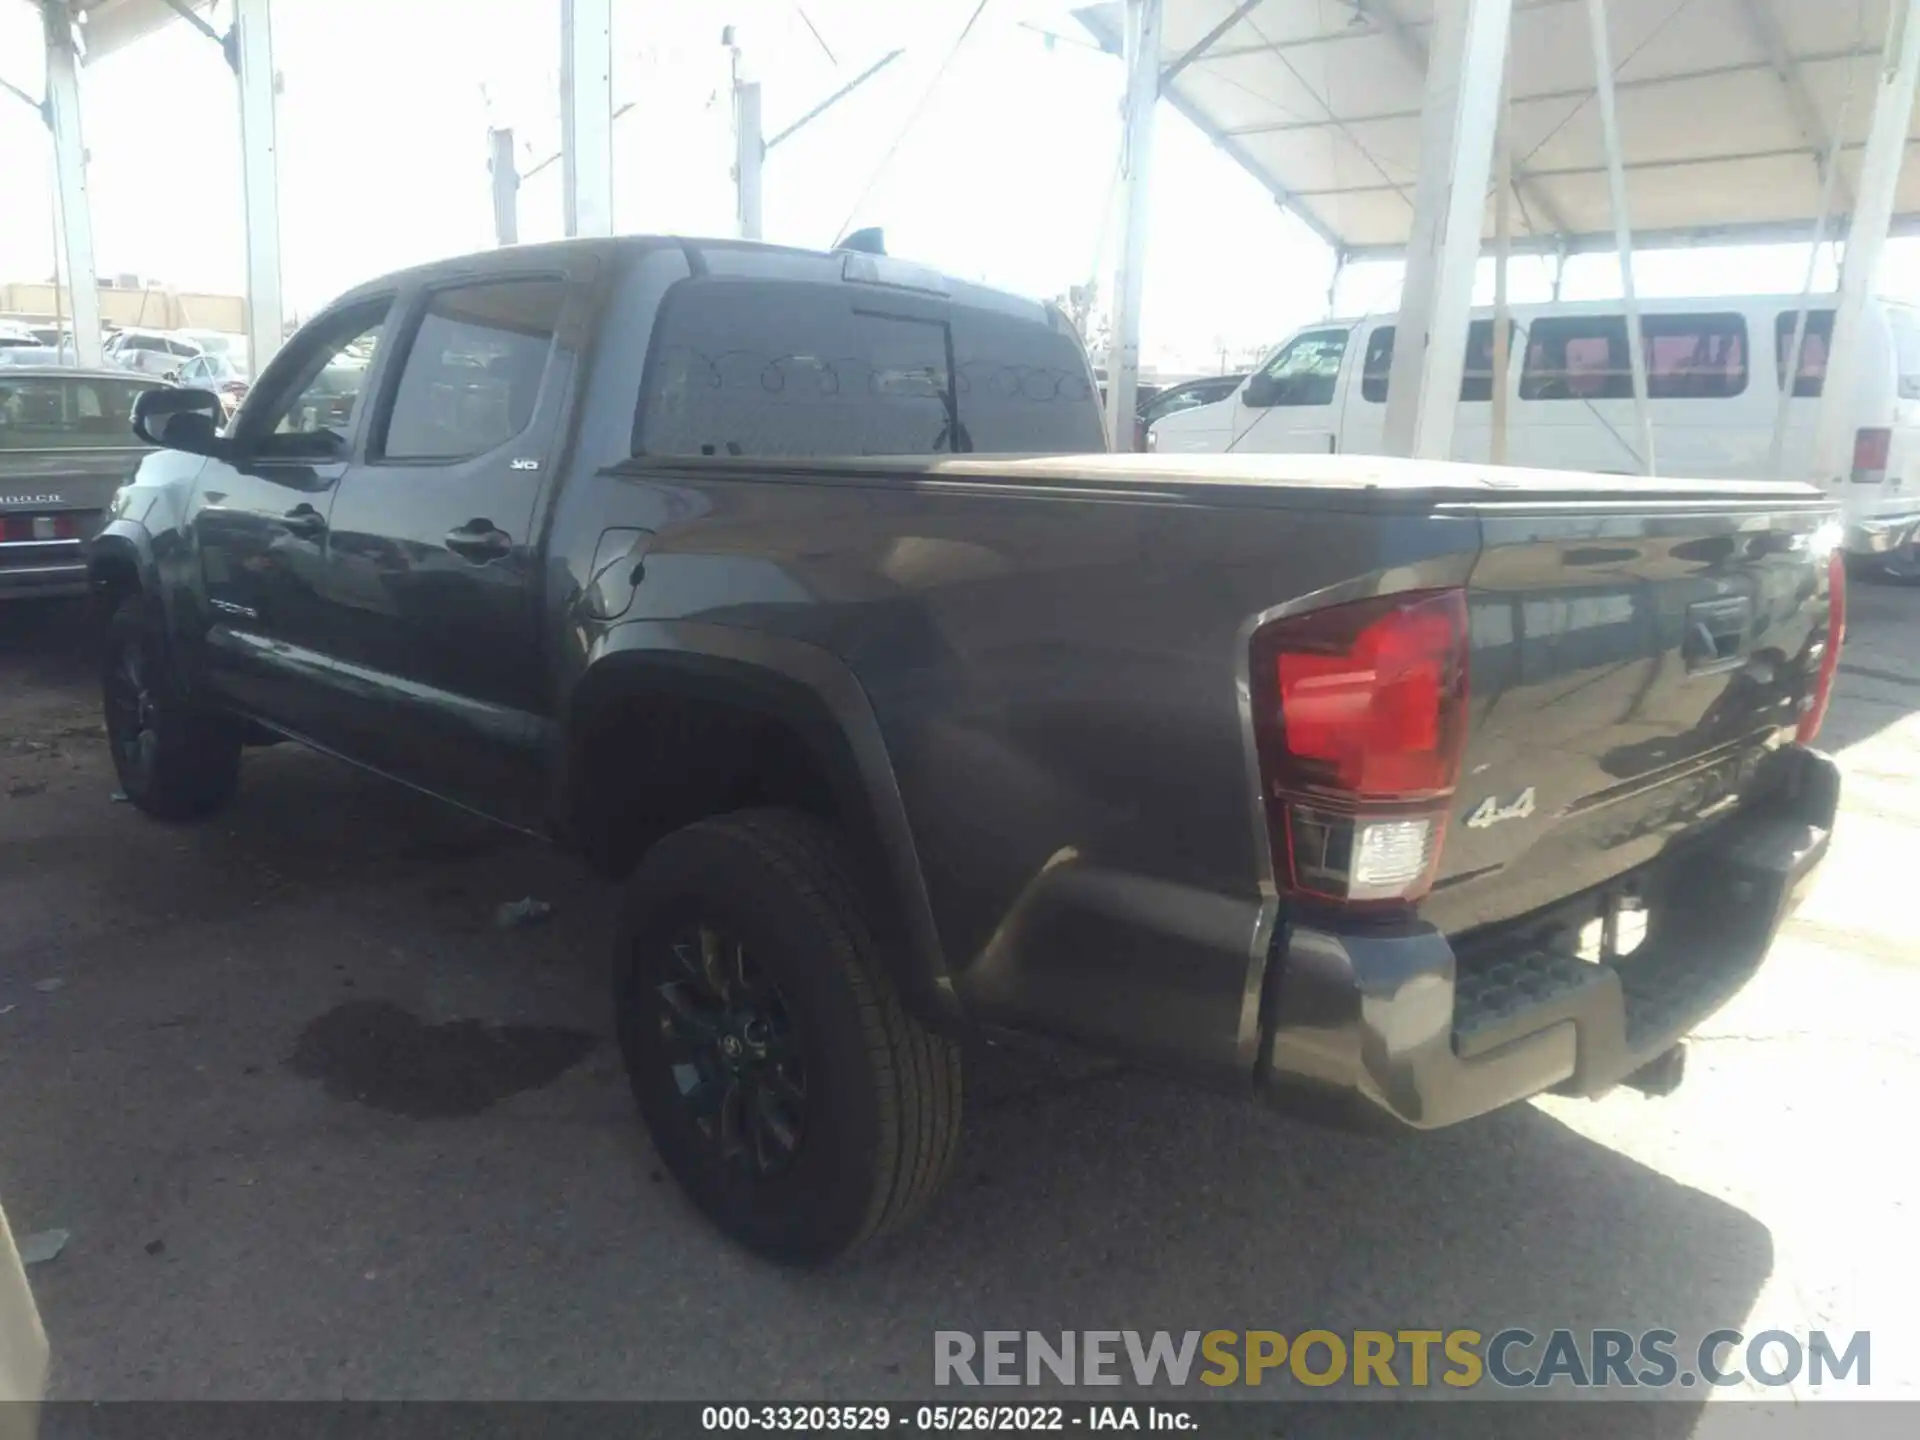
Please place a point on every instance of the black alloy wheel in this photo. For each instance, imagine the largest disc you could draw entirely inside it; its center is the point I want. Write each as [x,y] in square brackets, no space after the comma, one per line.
[729,1041]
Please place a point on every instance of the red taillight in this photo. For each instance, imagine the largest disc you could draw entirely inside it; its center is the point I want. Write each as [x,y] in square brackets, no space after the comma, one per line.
[28,528]
[1870,451]
[1361,719]
[1816,711]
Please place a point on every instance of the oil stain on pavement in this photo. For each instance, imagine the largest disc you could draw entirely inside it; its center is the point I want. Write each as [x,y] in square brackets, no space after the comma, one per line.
[375,1053]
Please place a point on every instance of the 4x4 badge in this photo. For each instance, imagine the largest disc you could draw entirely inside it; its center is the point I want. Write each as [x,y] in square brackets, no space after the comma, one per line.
[1491,812]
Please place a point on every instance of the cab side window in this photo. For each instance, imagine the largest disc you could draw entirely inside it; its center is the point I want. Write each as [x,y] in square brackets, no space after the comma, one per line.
[1307,372]
[321,401]
[473,371]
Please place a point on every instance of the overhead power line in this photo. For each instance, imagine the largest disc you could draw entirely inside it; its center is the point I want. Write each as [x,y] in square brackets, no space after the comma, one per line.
[919,106]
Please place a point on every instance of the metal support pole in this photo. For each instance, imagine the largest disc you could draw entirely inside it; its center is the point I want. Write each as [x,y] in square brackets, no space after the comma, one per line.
[1776,452]
[1622,225]
[749,154]
[586,115]
[1502,255]
[1458,117]
[1142,51]
[1333,283]
[70,169]
[506,188]
[1874,195]
[1559,269]
[251,50]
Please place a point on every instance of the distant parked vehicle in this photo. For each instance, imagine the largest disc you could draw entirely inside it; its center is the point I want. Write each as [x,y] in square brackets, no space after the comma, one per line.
[35,356]
[148,351]
[1716,381]
[218,342]
[1174,398]
[224,374]
[65,443]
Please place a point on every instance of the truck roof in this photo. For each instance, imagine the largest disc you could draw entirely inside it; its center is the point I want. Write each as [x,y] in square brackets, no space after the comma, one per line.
[723,257]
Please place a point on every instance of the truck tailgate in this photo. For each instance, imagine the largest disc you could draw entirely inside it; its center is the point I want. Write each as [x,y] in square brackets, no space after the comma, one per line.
[1632,661]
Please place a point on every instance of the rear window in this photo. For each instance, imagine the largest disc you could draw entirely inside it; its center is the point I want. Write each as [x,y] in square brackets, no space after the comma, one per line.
[1476,379]
[748,367]
[1814,344]
[1584,357]
[39,412]
[1022,387]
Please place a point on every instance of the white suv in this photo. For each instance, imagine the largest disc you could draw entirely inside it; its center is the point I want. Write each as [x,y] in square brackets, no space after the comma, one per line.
[148,351]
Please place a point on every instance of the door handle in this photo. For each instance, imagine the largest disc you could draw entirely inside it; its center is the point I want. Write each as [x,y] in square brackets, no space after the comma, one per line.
[304,520]
[479,540]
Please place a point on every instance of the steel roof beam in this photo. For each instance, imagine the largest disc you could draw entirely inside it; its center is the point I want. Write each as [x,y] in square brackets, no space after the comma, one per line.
[1745,232]
[1348,33]
[1200,47]
[1284,197]
[1766,31]
[1415,51]
[1577,92]
[1568,172]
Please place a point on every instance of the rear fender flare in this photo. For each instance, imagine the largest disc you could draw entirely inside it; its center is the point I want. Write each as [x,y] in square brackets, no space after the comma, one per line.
[811,692]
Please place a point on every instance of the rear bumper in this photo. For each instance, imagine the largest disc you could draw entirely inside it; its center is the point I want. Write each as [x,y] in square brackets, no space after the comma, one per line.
[1416,1030]
[44,579]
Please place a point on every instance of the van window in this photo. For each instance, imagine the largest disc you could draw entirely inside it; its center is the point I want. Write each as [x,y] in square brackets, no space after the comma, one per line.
[1308,370]
[1584,357]
[1476,379]
[1814,345]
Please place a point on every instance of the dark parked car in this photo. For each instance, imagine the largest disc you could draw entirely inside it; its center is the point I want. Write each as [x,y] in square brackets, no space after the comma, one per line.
[1175,398]
[739,569]
[65,447]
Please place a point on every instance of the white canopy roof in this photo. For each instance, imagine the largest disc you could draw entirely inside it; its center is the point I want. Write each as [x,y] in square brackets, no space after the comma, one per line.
[1726,109]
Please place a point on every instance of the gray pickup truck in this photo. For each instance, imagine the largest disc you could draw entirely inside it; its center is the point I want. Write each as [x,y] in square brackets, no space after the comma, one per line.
[1390,791]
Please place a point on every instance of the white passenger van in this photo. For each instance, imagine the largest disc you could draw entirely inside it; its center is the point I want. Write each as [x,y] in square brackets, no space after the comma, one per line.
[1714,382]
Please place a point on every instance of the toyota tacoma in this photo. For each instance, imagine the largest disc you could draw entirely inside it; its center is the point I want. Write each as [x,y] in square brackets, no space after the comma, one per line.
[794,592]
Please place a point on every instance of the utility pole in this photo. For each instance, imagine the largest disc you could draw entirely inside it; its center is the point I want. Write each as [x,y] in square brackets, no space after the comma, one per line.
[506,187]
[62,112]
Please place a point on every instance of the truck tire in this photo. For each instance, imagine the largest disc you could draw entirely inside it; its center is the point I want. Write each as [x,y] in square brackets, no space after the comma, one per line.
[789,1092]
[175,760]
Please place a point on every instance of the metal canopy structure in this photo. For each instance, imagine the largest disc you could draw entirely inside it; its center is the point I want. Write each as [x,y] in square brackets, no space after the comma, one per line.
[1727,109]
[1616,123]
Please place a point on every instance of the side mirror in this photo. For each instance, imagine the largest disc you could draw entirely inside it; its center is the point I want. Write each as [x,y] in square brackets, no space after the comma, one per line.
[177,419]
[1262,390]
[172,377]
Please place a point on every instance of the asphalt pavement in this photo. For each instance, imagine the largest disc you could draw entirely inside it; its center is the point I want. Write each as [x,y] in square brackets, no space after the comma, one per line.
[316,1126]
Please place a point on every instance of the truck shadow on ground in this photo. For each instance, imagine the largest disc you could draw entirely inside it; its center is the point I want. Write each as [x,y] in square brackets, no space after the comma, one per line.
[1081,1199]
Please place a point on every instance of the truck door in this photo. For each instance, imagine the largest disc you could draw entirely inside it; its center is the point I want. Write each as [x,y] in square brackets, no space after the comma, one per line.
[259,522]
[432,567]
[1291,405]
